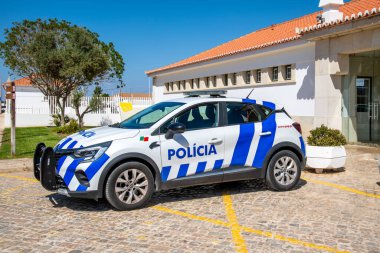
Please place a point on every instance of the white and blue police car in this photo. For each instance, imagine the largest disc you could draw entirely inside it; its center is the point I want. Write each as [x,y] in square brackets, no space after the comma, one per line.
[194,140]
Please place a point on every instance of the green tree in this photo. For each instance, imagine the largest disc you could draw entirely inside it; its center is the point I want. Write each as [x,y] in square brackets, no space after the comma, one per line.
[59,57]
[96,103]
[99,92]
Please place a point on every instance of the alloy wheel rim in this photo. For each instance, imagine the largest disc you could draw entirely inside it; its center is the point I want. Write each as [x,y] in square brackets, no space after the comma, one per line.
[131,186]
[285,170]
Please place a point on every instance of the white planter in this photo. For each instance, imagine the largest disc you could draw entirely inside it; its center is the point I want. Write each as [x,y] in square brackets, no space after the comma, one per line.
[325,157]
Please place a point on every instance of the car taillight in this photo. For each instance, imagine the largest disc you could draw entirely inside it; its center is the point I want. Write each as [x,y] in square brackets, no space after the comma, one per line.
[297,126]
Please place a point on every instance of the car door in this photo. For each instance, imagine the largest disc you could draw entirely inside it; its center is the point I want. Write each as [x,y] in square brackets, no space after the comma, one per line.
[199,150]
[243,140]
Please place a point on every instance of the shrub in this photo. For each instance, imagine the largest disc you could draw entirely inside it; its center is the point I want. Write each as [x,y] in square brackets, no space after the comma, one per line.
[324,136]
[57,119]
[70,128]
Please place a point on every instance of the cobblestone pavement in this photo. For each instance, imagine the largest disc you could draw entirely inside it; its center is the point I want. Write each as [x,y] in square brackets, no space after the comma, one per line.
[329,212]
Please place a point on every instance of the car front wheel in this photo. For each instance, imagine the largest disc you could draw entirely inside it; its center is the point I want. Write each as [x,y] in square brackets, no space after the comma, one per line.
[284,171]
[129,186]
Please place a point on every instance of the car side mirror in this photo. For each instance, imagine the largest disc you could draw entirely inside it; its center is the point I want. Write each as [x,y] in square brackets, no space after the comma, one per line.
[175,128]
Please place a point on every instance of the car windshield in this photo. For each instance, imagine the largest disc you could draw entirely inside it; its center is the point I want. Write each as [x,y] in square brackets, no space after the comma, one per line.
[149,116]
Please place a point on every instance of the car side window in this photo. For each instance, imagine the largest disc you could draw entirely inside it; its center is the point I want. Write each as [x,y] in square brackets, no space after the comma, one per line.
[265,110]
[199,117]
[241,113]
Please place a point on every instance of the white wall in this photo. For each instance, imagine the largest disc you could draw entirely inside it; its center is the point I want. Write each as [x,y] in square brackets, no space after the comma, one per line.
[297,97]
[32,109]
[34,120]
[26,96]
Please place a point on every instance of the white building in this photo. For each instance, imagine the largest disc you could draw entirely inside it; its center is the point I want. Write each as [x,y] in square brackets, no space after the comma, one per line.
[324,68]
[33,108]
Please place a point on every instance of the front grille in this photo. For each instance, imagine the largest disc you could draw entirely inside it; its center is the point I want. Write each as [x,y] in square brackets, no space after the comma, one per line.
[60,182]
[58,155]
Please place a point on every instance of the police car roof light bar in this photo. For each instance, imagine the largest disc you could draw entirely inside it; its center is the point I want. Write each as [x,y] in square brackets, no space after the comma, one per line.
[211,93]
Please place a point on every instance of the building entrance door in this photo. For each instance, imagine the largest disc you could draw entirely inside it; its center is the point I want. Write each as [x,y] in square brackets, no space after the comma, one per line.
[367,110]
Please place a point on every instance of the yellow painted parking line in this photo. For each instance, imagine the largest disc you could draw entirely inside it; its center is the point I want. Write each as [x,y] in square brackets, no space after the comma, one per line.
[229,224]
[250,230]
[308,244]
[342,187]
[240,245]
[191,216]
[19,177]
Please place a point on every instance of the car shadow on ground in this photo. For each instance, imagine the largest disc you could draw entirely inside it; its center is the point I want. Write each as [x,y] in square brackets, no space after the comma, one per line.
[167,196]
[325,171]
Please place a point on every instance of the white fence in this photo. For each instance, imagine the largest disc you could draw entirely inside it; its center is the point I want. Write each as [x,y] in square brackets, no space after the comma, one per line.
[36,110]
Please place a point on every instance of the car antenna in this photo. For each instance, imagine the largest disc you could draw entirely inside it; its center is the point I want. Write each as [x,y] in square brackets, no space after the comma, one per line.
[250,93]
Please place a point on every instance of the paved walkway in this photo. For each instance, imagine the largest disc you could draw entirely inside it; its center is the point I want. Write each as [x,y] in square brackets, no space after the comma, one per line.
[16,165]
[329,212]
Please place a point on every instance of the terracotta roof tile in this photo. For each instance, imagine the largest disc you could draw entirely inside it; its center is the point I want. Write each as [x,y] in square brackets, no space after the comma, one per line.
[357,9]
[25,81]
[276,34]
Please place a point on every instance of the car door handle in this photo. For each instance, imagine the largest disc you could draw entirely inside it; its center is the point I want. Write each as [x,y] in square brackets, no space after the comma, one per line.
[215,141]
[265,133]
[154,145]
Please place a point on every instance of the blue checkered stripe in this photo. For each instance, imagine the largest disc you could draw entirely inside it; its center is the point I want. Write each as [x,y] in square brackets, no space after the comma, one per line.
[265,143]
[69,143]
[243,152]
[183,170]
[67,165]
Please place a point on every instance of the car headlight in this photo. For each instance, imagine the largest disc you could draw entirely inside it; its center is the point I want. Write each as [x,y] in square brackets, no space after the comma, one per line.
[92,153]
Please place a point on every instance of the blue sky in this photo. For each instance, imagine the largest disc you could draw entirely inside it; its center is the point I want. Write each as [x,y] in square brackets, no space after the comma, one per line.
[154,33]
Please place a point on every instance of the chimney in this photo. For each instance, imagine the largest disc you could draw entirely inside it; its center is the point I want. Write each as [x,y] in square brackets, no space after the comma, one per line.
[331,10]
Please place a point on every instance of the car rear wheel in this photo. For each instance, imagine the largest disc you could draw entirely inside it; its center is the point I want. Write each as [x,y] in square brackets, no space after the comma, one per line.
[129,186]
[284,171]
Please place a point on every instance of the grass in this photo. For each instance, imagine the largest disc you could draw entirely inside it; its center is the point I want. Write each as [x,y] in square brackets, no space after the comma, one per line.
[27,139]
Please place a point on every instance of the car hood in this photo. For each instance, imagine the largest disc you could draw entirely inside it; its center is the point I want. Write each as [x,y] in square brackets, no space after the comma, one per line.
[95,136]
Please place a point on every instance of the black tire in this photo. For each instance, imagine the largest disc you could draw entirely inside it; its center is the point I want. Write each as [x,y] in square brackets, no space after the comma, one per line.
[118,175]
[272,171]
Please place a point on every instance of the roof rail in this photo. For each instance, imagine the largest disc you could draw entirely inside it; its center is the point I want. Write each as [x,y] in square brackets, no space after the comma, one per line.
[211,93]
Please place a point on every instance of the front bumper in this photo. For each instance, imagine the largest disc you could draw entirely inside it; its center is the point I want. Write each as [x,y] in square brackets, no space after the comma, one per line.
[45,171]
[82,195]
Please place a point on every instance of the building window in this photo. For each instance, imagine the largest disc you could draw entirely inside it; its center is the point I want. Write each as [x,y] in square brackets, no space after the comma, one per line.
[214,81]
[288,72]
[234,79]
[258,76]
[184,85]
[167,87]
[171,86]
[207,82]
[275,74]
[248,77]
[226,80]
[192,84]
